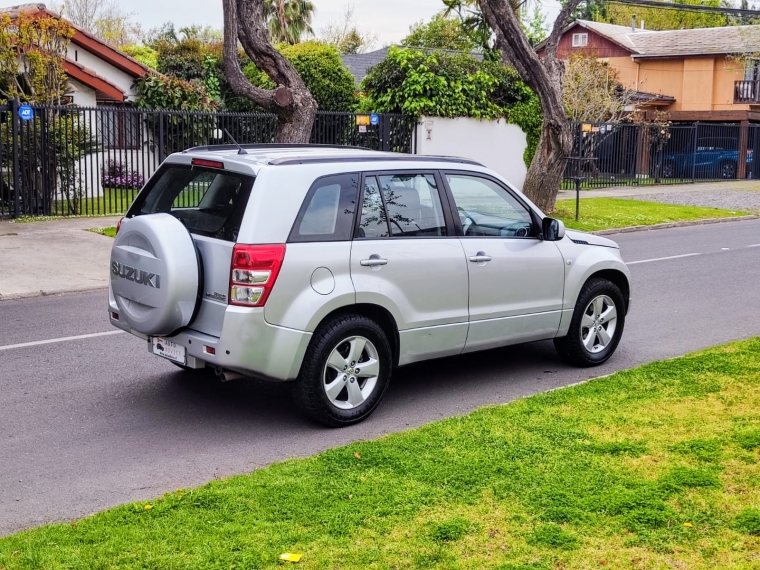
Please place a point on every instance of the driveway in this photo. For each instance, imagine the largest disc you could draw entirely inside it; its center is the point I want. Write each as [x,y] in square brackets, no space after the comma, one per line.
[92,422]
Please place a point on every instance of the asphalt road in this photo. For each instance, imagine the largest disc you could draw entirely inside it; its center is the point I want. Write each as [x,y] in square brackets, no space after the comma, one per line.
[91,423]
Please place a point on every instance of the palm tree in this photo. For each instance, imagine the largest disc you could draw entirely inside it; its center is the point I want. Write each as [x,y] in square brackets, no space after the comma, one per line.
[288,20]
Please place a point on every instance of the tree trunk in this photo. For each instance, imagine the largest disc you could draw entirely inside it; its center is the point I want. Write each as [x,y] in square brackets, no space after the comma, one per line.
[545,77]
[547,169]
[291,101]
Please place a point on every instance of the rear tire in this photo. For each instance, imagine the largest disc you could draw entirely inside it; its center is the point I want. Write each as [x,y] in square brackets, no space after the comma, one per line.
[596,327]
[345,371]
[728,170]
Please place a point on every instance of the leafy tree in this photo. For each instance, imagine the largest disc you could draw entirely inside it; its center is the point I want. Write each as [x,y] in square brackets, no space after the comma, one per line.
[592,91]
[415,82]
[471,18]
[144,54]
[666,19]
[322,70]
[441,33]
[245,21]
[346,36]
[288,20]
[184,58]
[105,19]
[534,24]
[172,93]
[32,55]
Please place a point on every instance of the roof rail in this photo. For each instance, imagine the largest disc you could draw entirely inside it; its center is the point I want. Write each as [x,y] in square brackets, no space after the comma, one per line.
[370,158]
[272,146]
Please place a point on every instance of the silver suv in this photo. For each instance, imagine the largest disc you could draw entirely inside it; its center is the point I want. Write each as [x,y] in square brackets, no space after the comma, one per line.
[329,267]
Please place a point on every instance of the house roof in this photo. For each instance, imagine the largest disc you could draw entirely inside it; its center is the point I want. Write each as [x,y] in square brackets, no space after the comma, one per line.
[359,63]
[672,43]
[85,39]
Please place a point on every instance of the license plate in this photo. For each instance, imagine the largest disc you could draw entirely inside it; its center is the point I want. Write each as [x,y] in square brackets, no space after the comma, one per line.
[169,350]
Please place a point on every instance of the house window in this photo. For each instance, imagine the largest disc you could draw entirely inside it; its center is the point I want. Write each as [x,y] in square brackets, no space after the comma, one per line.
[580,40]
[120,128]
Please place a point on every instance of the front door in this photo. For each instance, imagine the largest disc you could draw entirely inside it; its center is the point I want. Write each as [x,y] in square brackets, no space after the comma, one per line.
[516,279]
[406,258]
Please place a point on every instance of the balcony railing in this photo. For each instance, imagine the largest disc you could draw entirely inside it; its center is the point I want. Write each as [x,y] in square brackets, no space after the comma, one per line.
[747,91]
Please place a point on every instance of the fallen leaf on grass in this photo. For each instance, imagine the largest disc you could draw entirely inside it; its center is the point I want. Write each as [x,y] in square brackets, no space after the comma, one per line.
[290,557]
[688,524]
[148,507]
[358,455]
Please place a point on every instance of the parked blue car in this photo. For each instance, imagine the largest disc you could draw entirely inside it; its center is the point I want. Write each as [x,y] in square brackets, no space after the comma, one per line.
[715,157]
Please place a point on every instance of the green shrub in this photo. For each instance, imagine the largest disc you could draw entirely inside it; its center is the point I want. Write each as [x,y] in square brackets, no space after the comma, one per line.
[321,68]
[415,82]
[144,54]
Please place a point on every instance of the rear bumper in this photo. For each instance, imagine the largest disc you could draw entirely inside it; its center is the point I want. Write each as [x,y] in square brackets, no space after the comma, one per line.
[248,345]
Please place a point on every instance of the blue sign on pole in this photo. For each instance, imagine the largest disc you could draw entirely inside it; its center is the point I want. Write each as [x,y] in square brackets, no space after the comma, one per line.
[374,119]
[26,112]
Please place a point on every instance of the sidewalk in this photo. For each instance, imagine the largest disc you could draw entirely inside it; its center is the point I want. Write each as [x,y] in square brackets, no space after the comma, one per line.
[45,258]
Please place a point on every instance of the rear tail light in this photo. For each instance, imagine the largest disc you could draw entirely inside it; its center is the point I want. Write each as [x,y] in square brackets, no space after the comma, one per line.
[118,225]
[254,272]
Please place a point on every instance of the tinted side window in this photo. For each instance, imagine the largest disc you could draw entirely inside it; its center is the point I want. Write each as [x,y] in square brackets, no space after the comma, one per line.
[413,205]
[327,213]
[487,209]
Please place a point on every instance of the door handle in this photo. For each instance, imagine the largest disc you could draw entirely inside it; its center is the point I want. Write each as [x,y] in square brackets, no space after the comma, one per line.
[480,257]
[373,261]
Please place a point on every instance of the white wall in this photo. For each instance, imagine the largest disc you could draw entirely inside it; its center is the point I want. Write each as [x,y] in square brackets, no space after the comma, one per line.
[82,95]
[122,80]
[496,144]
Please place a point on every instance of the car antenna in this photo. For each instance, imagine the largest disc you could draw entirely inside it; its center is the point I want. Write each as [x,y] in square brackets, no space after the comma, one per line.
[241,150]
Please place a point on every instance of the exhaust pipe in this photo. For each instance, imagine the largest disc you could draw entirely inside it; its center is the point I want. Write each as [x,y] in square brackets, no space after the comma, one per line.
[227,375]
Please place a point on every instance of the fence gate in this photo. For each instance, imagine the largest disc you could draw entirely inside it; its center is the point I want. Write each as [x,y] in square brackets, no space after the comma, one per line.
[641,154]
[68,161]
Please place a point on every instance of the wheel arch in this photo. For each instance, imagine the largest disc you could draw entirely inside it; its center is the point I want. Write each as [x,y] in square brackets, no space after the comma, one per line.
[380,315]
[619,278]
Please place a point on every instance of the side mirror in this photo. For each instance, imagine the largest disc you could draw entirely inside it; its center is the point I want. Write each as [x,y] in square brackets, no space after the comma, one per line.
[552,230]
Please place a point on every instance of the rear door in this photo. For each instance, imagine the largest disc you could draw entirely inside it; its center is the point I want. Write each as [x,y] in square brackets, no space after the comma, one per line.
[210,201]
[516,280]
[406,257]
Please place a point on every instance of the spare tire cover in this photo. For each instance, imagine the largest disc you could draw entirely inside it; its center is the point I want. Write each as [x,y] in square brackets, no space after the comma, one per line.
[154,274]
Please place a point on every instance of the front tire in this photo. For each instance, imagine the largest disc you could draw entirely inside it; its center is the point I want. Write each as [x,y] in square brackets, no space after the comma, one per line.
[345,371]
[596,327]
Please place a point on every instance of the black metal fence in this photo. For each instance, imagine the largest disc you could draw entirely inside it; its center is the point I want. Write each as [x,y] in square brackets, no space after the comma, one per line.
[67,161]
[627,154]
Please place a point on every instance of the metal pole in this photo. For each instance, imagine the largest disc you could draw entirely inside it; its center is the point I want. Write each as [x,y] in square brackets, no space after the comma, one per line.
[577,198]
[16,166]
[161,151]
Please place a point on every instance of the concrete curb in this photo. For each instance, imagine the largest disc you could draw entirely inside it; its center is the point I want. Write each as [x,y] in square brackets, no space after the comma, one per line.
[706,221]
[58,293]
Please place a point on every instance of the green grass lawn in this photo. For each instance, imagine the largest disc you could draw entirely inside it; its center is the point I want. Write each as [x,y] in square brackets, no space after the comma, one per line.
[110,231]
[609,213]
[655,467]
[113,202]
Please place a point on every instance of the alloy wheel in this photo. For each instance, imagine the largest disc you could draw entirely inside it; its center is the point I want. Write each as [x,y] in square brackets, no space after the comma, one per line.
[351,372]
[598,324]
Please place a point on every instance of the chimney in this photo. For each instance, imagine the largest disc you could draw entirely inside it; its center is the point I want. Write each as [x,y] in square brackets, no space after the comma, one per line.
[633,23]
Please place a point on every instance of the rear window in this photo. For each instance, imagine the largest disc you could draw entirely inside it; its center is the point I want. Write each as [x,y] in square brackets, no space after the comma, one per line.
[207,201]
